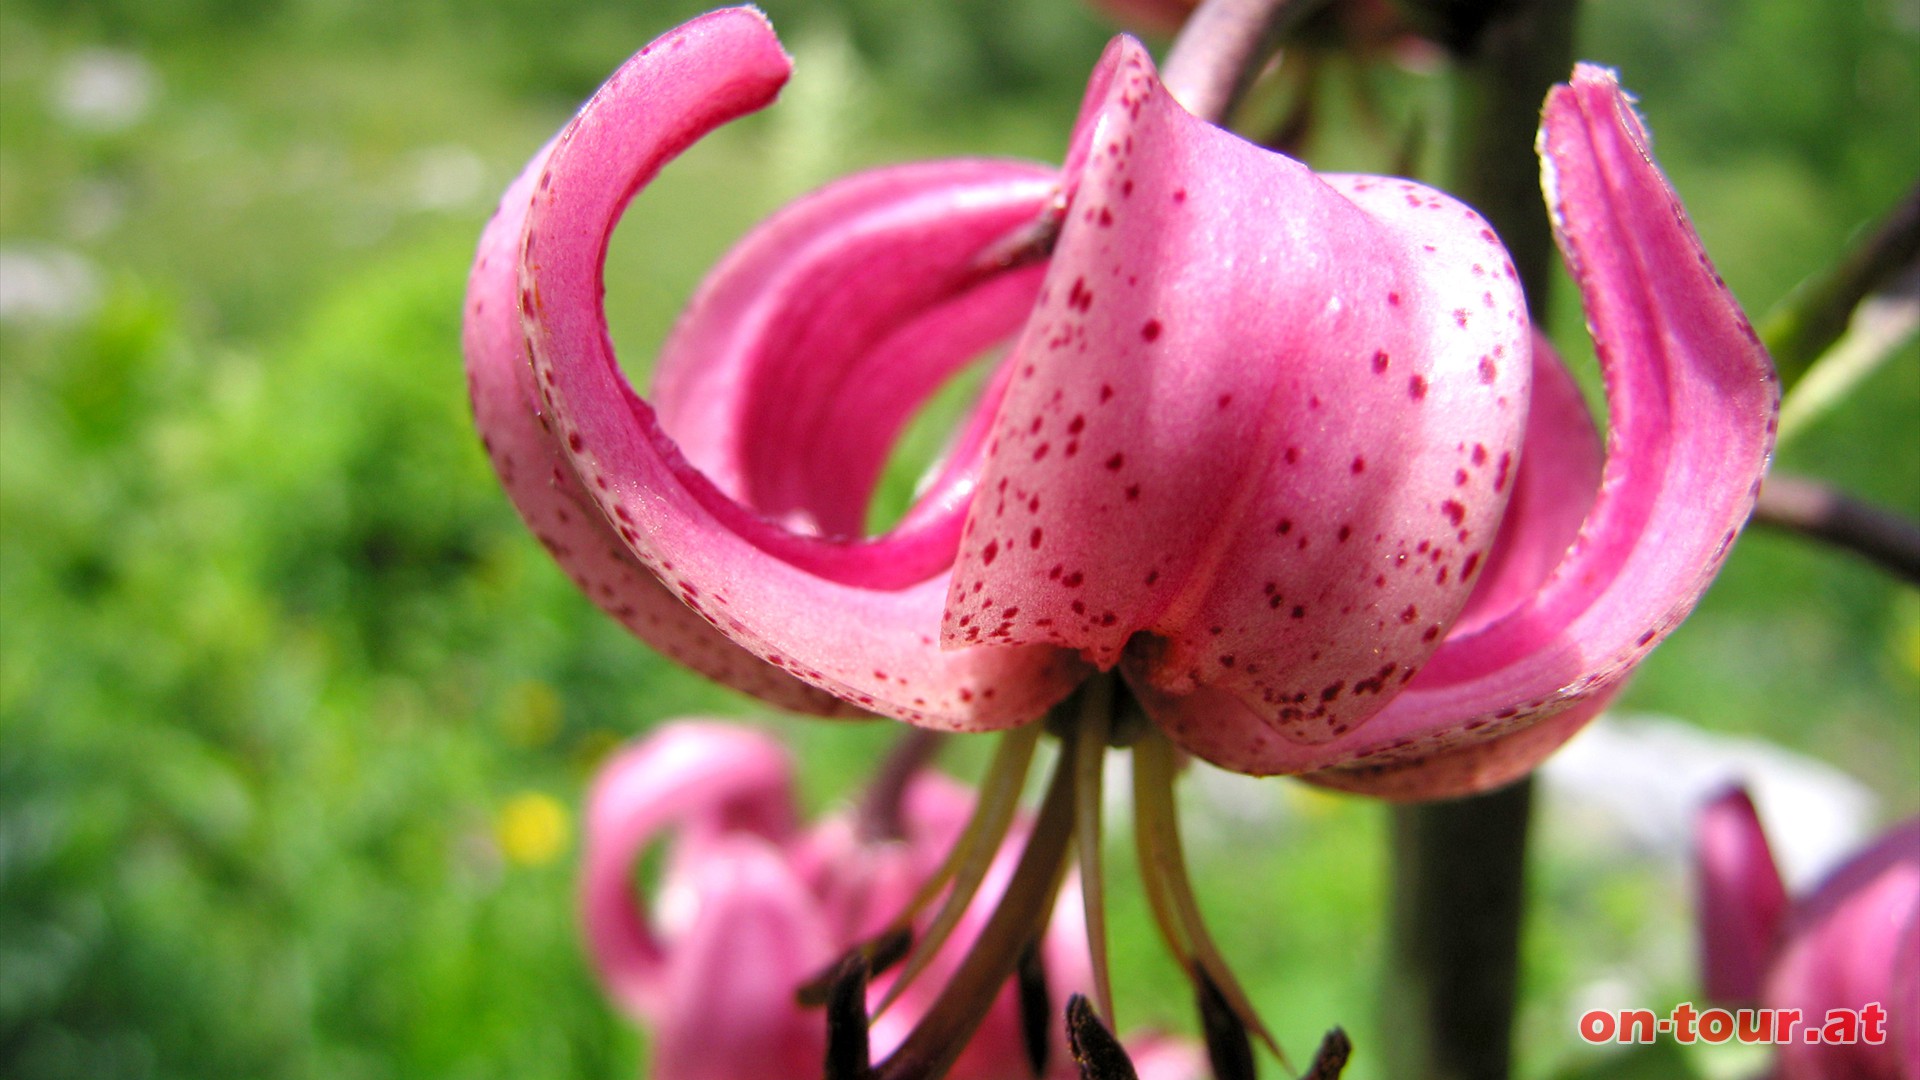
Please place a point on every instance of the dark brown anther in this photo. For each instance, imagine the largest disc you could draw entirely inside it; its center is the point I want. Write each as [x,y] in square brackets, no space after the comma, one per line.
[888,949]
[1026,244]
[849,1057]
[1036,1007]
[1229,1049]
[1099,1055]
[1331,1059]
[879,953]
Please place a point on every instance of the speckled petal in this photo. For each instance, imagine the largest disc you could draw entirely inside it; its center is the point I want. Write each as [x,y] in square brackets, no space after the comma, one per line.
[1692,400]
[1553,486]
[1233,443]
[701,778]
[837,615]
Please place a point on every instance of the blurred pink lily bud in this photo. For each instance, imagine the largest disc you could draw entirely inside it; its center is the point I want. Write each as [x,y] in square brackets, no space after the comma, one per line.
[751,905]
[1852,943]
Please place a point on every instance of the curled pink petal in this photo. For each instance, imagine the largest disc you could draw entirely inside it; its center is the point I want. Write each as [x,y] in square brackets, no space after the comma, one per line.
[834,614]
[1691,398]
[1742,901]
[709,778]
[547,494]
[1230,454]
[790,375]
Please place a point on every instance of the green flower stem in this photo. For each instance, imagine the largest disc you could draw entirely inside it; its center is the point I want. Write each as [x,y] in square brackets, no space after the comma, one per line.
[1459,867]
[1819,311]
[1877,328]
[1458,897]
[1501,78]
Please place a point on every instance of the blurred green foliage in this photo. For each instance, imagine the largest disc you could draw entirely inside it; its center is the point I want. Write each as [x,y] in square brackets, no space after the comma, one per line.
[276,658]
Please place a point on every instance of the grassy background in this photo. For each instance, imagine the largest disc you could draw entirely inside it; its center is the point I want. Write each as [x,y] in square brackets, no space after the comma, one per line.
[288,697]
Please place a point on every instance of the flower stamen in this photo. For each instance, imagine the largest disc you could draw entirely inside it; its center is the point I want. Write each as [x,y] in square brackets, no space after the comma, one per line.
[1163,874]
[1020,918]
[1089,758]
[967,864]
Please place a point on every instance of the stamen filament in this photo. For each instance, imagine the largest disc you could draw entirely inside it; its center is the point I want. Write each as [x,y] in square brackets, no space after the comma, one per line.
[972,855]
[1163,870]
[1021,916]
[1089,758]
[879,813]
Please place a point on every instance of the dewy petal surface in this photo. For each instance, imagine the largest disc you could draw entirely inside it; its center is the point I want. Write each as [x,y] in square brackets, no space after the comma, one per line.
[1692,400]
[1232,446]
[834,614]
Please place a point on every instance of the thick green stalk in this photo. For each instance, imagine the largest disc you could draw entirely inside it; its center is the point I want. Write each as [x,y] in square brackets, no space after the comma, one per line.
[1459,867]
[1458,897]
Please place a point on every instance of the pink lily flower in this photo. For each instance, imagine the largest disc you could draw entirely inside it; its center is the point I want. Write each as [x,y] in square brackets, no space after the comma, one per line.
[1281,448]
[1852,942]
[751,906]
